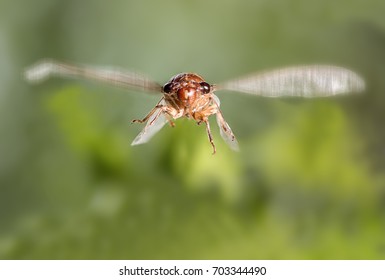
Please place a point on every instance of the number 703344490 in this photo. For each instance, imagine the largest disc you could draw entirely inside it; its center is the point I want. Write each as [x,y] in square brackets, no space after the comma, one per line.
[189,95]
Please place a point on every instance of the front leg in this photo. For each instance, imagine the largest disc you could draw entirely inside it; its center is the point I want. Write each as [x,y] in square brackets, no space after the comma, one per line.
[158,106]
[169,112]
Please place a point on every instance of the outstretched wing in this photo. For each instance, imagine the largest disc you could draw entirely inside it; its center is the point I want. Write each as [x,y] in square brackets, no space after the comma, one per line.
[155,123]
[114,76]
[303,81]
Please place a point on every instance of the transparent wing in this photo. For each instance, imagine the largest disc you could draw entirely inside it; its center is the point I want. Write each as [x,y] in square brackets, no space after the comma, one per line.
[224,129]
[114,76]
[227,133]
[303,81]
[155,123]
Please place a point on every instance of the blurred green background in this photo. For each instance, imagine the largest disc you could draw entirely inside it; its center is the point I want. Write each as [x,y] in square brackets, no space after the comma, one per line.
[308,183]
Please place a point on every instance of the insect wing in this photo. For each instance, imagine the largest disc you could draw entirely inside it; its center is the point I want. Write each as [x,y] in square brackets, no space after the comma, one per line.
[302,81]
[113,76]
[227,133]
[224,129]
[153,125]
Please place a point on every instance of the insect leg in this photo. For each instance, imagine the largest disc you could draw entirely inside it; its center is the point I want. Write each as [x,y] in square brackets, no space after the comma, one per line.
[155,122]
[161,114]
[148,115]
[209,135]
[159,105]
[169,119]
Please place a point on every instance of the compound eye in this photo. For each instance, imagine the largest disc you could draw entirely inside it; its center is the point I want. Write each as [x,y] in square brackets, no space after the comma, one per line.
[205,87]
[167,88]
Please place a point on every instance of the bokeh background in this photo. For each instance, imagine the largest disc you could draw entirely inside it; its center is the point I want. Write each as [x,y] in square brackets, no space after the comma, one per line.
[308,183]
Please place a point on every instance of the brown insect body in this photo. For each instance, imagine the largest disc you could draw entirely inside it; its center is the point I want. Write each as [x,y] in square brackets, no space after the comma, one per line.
[188,95]
[185,93]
